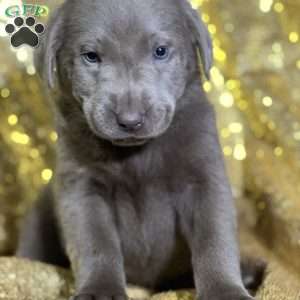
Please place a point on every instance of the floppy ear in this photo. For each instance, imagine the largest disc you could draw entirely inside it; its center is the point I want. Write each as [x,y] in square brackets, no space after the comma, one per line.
[46,54]
[201,36]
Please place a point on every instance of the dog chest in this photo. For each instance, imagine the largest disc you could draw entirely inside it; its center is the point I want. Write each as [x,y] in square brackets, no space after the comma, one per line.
[146,222]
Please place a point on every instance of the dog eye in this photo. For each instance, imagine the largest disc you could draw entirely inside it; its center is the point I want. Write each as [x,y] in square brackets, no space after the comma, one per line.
[91,57]
[161,52]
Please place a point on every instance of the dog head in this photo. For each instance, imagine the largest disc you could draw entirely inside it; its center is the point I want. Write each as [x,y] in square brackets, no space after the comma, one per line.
[126,63]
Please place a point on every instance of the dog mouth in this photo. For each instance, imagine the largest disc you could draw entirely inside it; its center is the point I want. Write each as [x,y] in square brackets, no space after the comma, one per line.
[129,142]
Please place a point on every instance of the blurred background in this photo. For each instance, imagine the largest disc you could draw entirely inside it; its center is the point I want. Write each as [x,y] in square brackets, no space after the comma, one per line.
[255,88]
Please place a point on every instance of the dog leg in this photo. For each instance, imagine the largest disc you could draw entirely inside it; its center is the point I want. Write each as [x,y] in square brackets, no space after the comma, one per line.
[39,237]
[209,224]
[212,240]
[92,243]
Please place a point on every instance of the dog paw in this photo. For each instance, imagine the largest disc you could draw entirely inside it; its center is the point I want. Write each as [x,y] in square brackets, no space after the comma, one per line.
[24,32]
[235,297]
[227,297]
[98,297]
[242,298]
[83,297]
[227,294]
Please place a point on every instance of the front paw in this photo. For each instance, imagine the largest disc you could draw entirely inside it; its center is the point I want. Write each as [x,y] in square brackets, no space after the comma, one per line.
[232,297]
[227,294]
[99,297]
[227,297]
[236,296]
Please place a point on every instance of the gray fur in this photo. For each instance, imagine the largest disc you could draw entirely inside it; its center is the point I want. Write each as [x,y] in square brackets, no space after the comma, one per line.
[160,211]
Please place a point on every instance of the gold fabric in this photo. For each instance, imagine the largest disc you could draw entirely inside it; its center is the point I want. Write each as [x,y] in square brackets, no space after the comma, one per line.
[25,280]
[255,89]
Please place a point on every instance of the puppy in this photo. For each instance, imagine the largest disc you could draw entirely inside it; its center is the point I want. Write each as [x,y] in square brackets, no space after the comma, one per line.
[141,194]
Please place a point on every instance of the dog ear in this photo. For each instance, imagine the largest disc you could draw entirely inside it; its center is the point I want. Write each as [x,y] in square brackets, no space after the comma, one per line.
[46,54]
[201,36]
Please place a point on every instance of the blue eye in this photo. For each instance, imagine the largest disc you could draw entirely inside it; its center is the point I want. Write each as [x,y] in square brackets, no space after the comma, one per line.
[91,57]
[161,52]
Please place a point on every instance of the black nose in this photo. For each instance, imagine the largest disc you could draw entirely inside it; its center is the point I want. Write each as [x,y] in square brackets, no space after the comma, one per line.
[130,121]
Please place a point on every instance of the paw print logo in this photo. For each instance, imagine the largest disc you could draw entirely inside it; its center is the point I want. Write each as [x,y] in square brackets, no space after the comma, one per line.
[25,32]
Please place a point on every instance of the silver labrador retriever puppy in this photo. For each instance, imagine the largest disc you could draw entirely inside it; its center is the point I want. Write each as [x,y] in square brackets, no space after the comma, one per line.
[141,194]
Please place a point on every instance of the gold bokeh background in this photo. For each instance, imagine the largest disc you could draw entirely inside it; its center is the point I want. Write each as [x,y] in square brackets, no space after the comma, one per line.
[255,87]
